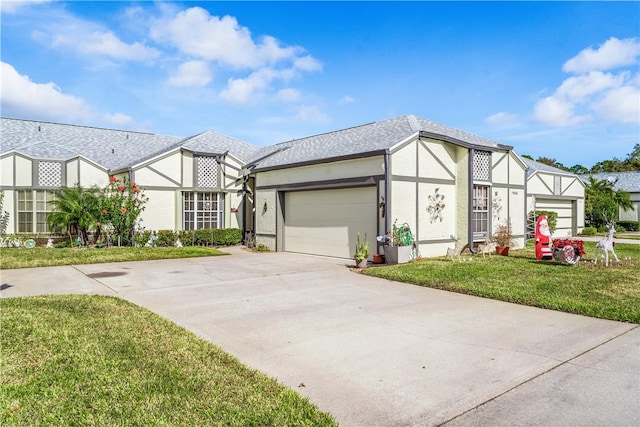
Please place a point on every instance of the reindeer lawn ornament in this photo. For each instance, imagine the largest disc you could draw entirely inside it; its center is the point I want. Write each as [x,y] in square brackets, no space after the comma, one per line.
[605,245]
[457,250]
[487,247]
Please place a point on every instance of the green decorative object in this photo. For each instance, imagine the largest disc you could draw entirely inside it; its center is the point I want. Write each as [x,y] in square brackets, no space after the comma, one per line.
[30,244]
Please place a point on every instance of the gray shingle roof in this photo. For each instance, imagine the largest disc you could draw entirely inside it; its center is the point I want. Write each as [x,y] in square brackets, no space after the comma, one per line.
[112,149]
[213,142]
[368,138]
[533,167]
[625,181]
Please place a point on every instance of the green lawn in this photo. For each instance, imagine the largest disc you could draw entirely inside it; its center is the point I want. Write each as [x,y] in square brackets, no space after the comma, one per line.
[45,257]
[101,361]
[609,293]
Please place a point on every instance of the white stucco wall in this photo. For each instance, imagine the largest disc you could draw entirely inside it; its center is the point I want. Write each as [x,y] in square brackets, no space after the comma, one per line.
[438,229]
[160,210]
[162,172]
[91,175]
[187,169]
[403,208]
[266,218]
[403,160]
[6,170]
[24,174]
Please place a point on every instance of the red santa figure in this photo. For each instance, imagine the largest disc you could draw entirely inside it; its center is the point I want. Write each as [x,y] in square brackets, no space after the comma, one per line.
[543,239]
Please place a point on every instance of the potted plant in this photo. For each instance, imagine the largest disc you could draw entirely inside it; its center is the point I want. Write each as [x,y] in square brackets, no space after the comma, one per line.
[504,238]
[400,245]
[362,251]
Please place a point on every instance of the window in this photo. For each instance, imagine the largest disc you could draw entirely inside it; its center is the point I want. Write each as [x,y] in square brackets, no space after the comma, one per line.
[202,210]
[480,216]
[28,216]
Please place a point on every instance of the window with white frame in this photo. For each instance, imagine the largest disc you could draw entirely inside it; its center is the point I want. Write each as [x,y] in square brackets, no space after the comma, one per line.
[480,215]
[202,210]
[33,208]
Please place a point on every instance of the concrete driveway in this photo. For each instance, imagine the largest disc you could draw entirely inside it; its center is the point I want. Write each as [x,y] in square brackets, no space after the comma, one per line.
[376,352]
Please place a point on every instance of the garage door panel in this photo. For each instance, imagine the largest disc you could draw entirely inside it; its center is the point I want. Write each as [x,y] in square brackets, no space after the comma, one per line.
[564,209]
[325,222]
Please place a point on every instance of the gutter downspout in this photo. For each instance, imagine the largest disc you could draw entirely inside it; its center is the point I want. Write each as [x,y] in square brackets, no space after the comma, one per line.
[470,215]
[387,192]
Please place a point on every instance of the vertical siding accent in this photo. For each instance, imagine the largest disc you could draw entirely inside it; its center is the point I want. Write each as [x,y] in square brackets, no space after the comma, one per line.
[470,200]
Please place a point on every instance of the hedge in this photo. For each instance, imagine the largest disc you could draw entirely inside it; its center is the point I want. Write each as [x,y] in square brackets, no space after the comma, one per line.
[202,237]
[629,225]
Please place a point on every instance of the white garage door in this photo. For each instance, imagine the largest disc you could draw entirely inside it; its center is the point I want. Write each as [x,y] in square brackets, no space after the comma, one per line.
[325,222]
[566,216]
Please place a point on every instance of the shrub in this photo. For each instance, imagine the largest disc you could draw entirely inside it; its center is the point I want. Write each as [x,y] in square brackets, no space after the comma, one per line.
[589,231]
[142,237]
[201,237]
[552,218]
[166,238]
[630,225]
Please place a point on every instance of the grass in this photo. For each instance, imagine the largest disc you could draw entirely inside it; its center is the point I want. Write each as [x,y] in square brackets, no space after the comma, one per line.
[98,361]
[46,257]
[608,293]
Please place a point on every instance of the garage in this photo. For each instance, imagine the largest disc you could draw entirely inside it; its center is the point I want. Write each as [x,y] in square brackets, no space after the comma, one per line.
[565,209]
[326,222]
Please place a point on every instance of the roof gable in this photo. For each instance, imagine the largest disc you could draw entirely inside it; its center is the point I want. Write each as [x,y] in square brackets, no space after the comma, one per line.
[367,139]
[112,149]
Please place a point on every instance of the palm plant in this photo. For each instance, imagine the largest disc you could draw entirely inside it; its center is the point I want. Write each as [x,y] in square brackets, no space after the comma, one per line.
[601,200]
[75,208]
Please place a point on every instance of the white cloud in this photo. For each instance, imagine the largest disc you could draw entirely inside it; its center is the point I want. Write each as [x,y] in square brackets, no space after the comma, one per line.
[611,54]
[222,41]
[620,104]
[347,100]
[288,95]
[255,86]
[307,63]
[557,111]
[593,95]
[197,33]
[311,114]
[502,119]
[581,88]
[26,99]
[103,43]
[192,73]
[13,6]
[118,119]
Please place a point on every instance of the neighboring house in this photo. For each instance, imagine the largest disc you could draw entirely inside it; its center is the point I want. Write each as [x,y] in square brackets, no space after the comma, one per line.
[552,189]
[191,182]
[314,195]
[625,181]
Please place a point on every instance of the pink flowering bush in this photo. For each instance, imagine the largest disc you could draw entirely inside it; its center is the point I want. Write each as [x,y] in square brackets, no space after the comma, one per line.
[122,204]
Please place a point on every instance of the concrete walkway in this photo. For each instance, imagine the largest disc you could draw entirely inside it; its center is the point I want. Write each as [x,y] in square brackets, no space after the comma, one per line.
[375,352]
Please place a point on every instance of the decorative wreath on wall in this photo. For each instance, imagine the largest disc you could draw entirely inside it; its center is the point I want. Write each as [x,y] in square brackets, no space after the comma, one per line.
[436,206]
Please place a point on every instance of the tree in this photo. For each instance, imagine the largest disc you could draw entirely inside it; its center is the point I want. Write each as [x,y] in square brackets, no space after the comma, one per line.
[75,208]
[120,208]
[578,169]
[526,156]
[633,158]
[4,215]
[551,162]
[603,203]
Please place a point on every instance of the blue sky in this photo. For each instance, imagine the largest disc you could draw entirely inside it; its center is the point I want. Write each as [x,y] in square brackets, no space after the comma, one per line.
[553,79]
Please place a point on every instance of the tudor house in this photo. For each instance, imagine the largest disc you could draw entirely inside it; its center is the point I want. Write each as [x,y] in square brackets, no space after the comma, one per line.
[311,195]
